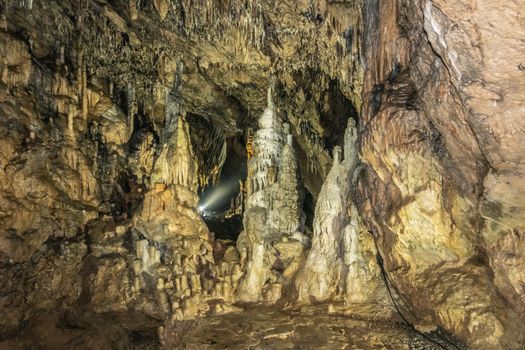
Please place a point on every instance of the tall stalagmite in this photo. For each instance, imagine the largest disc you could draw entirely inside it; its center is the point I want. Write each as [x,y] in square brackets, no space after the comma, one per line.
[341,263]
[273,217]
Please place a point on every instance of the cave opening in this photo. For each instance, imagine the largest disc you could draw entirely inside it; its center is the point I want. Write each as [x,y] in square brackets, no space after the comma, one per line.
[221,202]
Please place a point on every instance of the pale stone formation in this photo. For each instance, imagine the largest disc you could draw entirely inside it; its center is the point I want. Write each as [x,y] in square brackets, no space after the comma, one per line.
[177,253]
[257,268]
[273,208]
[342,261]
[176,164]
[162,7]
[321,277]
[285,210]
[268,146]
[169,207]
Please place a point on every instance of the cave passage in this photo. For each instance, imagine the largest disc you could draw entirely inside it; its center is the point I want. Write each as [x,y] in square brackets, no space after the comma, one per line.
[221,203]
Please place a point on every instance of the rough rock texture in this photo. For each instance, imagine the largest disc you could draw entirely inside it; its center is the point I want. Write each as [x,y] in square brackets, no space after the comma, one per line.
[272,241]
[341,262]
[170,206]
[115,114]
[442,101]
[273,328]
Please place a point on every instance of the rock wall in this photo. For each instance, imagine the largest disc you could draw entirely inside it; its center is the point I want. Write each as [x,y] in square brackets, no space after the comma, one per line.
[441,104]
[64,149]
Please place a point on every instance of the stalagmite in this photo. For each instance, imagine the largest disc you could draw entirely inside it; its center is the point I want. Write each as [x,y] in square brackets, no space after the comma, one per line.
[250,289]
[273,206]
[339,262]
[337,154]
[321,277]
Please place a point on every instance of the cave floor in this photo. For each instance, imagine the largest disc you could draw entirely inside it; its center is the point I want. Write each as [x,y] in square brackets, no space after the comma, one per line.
[261,328]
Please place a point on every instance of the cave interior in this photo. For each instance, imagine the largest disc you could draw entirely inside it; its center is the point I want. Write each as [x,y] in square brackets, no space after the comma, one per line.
[248,174]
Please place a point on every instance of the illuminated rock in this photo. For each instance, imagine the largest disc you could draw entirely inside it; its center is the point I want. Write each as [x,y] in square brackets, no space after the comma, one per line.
[341,263]
[162,7]
[169,207]
[273,209]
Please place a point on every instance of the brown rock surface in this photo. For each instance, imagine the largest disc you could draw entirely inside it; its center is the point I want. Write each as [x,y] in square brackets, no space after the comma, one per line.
[442,104]
[114,116]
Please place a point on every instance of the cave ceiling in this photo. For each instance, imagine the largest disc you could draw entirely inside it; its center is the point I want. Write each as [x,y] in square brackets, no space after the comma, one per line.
[217,60]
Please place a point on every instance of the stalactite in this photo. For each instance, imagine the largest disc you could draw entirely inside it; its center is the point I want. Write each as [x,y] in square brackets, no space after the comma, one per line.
[132,106]
[84,91]
[133,11]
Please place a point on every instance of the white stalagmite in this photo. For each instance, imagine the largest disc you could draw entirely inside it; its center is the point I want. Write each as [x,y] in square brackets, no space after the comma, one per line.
[268,145]
[274,205]
[320,278]
[286,213]
[341,263]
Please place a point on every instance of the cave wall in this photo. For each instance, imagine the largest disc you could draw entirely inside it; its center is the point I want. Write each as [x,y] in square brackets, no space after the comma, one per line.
[441,107]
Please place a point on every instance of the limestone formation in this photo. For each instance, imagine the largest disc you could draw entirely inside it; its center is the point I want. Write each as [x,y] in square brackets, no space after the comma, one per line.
[273,209]
[170,206]
[162,7]
[341,263]
[378,147]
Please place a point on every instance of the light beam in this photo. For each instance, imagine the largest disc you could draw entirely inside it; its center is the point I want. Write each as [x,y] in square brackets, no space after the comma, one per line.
[218,193]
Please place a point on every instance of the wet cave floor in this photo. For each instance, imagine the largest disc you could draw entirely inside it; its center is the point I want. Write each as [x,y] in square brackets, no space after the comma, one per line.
[261,328]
